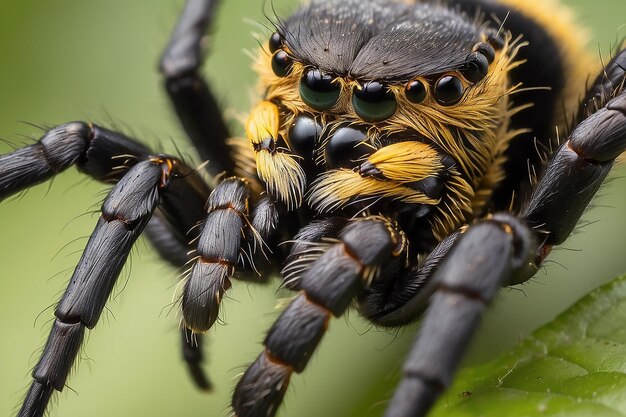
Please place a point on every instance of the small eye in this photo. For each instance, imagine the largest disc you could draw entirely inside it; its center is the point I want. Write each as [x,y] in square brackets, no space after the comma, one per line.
[318,90]
[374,102]
[475,67]
[495,39]
[448,90]
[415,91]
[485,49]
[276,42]
[281,63]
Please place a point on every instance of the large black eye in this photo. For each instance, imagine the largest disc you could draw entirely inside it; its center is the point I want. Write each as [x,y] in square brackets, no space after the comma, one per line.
[374,102]
[276,42]
[318,90]
[303,135]
[475,68]
[448,90]
[346,147]
[281,63]
[415,91]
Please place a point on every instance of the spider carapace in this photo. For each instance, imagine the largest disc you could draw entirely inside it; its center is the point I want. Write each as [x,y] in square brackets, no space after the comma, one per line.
[416,156]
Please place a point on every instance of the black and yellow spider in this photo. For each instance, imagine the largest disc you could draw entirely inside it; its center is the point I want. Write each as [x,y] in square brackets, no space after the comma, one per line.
[402,144]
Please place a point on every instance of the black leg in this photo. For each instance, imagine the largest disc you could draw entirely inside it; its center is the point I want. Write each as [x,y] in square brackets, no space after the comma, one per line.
[175,247]
[327,287]
[609,83]
[474,270]
[193,355]
[485,258]
[125,213]
[193,101]
[101,153]
[401,298]
[307,247]
[106,156]
[577,171]
[218,252]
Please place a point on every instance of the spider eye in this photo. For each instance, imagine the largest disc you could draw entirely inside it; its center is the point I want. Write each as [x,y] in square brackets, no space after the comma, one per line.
[475,68]
[346,147]
[318,90]
[276,42]
[303,135]
[281,63]
[415,91]
[448,90]
[374,102]
[485,49]
[495,40]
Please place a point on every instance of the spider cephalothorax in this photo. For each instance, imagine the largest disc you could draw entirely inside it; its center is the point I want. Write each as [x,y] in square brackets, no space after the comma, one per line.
[377,114]
[388,139]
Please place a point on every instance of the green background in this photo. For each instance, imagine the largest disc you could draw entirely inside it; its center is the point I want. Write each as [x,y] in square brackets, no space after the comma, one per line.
[73,59]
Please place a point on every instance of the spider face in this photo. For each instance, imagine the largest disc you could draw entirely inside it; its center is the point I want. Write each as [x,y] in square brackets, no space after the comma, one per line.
[361,103]
[336,156]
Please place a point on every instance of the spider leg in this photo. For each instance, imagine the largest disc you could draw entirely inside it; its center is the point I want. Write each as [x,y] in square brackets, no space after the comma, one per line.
[581,164]
[195,105]
[173,246]
[218,251]
[403,297]
[95,150]
[607,84]
[125,213]
[327,287]
[501,250]
[228,224]
[106,156]
[486,257]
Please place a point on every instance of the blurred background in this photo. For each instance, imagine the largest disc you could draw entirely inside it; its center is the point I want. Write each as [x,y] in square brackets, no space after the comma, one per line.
[75,60]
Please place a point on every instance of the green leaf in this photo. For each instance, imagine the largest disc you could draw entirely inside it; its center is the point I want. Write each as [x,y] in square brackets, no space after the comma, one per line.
[573,366]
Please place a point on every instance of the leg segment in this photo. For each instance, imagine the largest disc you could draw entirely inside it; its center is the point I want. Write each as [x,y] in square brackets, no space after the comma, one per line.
[327,288]
[193,101]
[106,156]
[218,253]
[175,248]
[193,357]
[101,153]
[401,298]
[485,258]
[125,213]
[607,85]
[576,172]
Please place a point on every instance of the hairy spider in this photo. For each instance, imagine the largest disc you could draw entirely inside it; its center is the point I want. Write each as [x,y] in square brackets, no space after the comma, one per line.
[216,336]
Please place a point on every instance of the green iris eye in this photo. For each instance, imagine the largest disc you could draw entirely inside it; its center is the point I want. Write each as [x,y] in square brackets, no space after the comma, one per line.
[374,102]
[318,90]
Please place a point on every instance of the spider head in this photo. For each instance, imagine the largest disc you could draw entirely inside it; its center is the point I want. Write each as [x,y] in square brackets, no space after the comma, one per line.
[378,106]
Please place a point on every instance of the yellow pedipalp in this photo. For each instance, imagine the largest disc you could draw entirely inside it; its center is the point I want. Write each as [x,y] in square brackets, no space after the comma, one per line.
[263,123]
[337,188]
[406,162]
[283,176]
